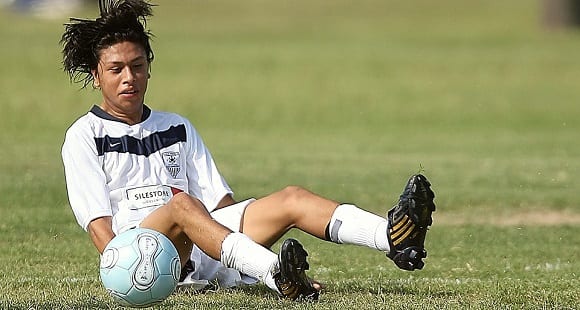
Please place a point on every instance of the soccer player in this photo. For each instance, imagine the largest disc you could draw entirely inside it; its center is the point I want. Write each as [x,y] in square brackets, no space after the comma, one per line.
[127,165]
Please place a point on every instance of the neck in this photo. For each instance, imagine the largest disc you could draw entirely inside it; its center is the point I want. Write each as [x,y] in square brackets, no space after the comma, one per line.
[130,117]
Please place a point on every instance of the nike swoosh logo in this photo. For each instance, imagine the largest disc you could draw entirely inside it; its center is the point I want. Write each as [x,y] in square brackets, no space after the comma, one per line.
[114,144]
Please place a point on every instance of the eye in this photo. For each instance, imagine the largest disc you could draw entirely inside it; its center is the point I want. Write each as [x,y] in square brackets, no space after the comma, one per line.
[115,69]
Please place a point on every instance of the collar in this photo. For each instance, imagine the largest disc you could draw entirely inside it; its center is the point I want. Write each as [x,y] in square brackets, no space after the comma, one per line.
[104,115]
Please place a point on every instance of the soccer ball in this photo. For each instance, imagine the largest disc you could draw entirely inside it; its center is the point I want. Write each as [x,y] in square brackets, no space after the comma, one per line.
[140,267]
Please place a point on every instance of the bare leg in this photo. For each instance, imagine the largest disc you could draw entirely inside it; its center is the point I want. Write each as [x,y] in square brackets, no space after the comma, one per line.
[269,218]
[185,220]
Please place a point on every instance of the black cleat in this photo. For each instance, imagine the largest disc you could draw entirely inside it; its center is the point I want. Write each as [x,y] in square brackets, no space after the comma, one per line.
[291,280]
[409,221]
[186,270]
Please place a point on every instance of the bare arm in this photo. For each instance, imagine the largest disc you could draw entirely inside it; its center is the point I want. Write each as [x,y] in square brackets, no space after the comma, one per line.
[101,232]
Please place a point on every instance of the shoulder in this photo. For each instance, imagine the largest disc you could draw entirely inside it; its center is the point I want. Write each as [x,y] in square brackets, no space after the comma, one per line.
[172,119]
[80,136]
[82,126]
[167,117]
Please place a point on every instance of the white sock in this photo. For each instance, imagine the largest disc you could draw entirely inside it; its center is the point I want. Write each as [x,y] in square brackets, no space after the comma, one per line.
[250,258]
[352,225]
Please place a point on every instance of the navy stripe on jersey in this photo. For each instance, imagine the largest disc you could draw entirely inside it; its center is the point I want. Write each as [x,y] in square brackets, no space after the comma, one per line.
[146,146]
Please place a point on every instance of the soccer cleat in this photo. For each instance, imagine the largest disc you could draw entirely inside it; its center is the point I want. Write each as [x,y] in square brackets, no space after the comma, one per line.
[409,221]
[186,270]
[291,281]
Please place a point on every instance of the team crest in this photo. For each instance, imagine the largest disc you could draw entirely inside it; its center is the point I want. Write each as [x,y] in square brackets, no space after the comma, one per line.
[171,161]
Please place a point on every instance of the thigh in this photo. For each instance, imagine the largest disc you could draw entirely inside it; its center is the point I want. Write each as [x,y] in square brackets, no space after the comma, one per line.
[267,219]
[185,220]
[161,220]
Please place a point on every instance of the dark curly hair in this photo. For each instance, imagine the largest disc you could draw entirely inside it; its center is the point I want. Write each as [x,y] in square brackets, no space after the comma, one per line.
[83,39]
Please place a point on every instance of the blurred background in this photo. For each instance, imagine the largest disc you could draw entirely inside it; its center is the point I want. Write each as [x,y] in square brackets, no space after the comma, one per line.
[554,12]
[481,95]
[45,8]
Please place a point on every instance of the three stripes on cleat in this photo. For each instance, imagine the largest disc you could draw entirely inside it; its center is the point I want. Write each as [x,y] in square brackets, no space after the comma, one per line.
[401,230]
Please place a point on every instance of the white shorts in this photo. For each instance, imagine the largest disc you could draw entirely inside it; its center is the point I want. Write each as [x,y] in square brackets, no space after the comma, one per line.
[231,216]
[208,269]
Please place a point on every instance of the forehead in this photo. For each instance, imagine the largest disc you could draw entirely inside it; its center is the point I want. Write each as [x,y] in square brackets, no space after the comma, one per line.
[122,52]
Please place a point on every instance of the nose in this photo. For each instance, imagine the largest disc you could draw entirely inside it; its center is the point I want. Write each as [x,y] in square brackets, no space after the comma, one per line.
[128,75]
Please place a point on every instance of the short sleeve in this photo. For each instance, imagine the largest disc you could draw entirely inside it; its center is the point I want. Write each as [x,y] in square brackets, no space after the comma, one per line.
[85,179]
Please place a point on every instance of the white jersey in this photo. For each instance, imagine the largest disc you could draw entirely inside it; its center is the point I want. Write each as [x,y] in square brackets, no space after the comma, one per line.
[127,171]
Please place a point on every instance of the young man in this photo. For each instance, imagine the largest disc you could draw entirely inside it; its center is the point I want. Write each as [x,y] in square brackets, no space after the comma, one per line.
[129,166]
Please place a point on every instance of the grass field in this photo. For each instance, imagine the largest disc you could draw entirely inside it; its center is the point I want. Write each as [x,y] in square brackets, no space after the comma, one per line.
[347,99]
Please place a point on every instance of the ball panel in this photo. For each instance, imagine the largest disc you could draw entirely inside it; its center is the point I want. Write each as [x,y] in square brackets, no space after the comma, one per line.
[147,268]
[128,256]
[109,258]
[120,298]
[139,298]
[176,268]
[115,280]
[164,286]
[164,262]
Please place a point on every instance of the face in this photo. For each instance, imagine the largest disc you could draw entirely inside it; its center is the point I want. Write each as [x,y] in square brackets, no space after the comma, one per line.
[122,75]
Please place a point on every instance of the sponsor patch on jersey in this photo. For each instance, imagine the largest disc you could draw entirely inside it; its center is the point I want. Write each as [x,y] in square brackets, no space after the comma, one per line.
[149,196]
[171,161]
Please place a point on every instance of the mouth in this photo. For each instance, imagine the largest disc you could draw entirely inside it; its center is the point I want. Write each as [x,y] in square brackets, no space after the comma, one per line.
[129,93]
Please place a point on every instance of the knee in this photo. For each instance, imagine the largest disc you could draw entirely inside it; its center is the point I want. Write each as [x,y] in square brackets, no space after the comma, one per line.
[179,200]
[184,202]
[292,195]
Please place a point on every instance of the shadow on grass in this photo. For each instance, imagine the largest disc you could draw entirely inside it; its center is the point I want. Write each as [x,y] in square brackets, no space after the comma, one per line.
[391,287]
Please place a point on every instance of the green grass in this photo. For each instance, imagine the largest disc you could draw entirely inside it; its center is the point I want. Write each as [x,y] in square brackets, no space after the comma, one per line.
[344,98]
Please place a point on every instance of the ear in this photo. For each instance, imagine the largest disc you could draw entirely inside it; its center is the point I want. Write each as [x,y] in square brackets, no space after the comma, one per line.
[96,81]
